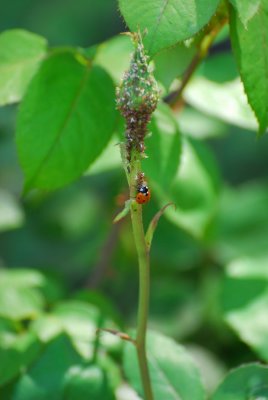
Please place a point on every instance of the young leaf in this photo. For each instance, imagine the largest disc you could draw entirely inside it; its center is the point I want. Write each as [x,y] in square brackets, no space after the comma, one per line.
[246,9]
[65,121]
[244,383]
[20,55]
[166,21]
[173,374]
[124,212]
[153,224]
[251,52]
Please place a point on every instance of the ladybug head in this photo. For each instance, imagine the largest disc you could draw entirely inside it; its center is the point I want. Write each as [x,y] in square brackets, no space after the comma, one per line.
[143,189]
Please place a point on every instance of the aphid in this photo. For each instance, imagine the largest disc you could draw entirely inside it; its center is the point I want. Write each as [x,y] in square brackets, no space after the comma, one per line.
[143,194]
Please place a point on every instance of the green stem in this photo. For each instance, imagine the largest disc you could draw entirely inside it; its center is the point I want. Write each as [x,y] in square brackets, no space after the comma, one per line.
[144,278]
[144,290]
[174,97]
[97,339]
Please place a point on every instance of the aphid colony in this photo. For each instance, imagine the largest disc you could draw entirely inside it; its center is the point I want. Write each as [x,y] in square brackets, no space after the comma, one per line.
[137,97]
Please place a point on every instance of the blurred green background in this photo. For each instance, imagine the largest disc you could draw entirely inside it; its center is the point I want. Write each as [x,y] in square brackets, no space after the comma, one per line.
[69,234]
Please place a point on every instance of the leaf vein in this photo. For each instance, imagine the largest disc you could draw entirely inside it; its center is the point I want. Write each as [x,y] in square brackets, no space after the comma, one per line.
[63,126]
[160,16]
[165,378]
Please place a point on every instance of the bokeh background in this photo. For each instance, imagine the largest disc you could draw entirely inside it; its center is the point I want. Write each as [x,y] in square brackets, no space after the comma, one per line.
[69,234]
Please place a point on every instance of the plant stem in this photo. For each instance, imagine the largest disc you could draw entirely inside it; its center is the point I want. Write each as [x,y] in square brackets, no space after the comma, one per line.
[144,290]
[174,97]
[144,278]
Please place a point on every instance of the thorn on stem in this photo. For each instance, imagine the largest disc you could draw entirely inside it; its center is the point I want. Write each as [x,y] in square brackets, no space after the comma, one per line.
[121,335]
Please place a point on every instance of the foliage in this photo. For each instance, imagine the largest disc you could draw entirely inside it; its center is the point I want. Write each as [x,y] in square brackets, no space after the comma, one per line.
[60,335]
[167,22]
[165,367]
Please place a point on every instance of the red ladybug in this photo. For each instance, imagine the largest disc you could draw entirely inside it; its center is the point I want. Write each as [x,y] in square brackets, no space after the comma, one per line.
[143,195]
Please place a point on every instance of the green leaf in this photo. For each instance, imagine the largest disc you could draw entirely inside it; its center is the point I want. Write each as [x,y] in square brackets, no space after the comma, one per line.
[7,391]
[104,304]
[87,383]
[175,307]
[108,160]
[125,392]
[246,313]
[7,325]
[211,367]
[247,267]
[198,125]
[74,314]
[174,375]
[16,353]
[22,277]
[153,225]
[65,121]
[33,282]
[166,21]
[163,147]
[242,212]
[122,214]
[80,321]
[73,212]
[225,101]
[20,297]
[251,52]
[120,45]
[194,190]
[248,382]
[246,9]
[219,68]
[20,55]
[111,368]
[11,214]
[45,379]
[172,63]
[20,303]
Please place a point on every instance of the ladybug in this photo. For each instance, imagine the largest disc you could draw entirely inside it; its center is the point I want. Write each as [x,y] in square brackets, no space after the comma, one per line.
[143,195]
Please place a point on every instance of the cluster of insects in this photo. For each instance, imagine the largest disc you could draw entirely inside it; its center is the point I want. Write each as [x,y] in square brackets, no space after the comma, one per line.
[137,96]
